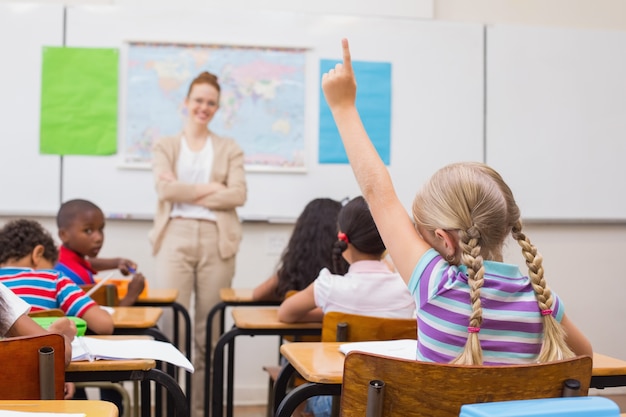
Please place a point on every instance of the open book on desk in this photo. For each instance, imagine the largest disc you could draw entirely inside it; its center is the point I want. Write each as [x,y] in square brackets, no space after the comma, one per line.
[89,348]
[403,348]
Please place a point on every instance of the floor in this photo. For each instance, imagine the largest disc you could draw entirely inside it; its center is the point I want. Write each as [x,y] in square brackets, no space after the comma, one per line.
[250,411]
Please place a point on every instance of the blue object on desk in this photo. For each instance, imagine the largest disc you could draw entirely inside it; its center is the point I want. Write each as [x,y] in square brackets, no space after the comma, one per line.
[545,407]
[45,322]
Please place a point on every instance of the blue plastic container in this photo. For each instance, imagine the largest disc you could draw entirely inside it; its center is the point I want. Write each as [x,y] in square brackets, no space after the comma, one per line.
[547,407]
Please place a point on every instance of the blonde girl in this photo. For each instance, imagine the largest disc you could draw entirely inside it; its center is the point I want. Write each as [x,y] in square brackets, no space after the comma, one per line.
[472,308]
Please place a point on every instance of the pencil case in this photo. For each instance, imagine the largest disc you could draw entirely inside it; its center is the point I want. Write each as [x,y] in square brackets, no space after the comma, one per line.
[45,322]
[122,286]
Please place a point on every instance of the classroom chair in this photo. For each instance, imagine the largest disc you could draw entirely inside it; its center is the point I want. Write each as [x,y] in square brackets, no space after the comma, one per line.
[346,327]
[420,389]
[20,358]
[106,295]
[126,403]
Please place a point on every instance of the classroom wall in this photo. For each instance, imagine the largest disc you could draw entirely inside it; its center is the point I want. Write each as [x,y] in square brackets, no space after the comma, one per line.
[579,258]
[597,14]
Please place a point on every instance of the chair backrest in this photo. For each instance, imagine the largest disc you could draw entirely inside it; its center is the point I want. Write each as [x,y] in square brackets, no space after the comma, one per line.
[19,357]
[360,328]
[106,295]
[420,389]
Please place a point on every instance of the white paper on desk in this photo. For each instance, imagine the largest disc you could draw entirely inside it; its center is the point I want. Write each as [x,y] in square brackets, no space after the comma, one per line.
[403,349]
[128,349]
[109,310]
[11,413]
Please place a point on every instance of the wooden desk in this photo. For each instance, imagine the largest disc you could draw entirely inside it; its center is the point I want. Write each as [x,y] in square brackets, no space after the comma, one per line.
[251,322]
[321,364]
[136,317]
[236,295]
[143,320]
[608,372]
[143,370]
[88,407]
[229,297]
[160,296]
[135,320]
[166,298]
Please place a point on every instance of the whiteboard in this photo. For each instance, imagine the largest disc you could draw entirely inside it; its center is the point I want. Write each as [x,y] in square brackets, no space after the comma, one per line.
[30,181]
[437,97]
[556,120]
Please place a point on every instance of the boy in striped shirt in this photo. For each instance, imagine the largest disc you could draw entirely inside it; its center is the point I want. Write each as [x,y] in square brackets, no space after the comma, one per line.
[27,255]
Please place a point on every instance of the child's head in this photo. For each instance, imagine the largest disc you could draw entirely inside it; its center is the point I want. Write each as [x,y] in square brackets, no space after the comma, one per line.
[471,202]
[471,199]
[22,238]
[310,246]
[357,227]
[81,227]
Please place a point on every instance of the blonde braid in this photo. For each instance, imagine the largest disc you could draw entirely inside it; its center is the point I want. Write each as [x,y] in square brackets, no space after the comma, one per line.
[472,353]
[554,346]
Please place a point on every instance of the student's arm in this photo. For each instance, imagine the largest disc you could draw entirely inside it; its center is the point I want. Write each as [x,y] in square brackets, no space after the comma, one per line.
[266,291]
[575,339]
[25,326]
[396,229]
[70,390]
[126,266]
[98,320]
[74,302]
[135,287]
[300,307]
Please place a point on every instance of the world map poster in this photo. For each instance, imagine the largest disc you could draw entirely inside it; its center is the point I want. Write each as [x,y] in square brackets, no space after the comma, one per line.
[261,104]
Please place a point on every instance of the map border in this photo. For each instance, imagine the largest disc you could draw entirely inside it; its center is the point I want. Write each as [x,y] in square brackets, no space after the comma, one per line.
[125,159]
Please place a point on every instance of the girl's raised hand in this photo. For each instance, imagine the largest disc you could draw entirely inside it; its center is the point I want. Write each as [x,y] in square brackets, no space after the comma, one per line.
[339,84]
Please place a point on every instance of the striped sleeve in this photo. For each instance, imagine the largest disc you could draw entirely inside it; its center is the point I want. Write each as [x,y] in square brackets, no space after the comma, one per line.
[71,298]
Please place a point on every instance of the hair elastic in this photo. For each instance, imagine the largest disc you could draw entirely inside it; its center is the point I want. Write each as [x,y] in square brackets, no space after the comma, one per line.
[473,329]
[342,236]
[546,312]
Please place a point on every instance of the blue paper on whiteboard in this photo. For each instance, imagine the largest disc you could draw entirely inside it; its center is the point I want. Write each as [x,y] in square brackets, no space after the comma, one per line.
[373,101]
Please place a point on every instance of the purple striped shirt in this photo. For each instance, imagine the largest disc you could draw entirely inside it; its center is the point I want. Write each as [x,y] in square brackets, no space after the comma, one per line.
[512,328]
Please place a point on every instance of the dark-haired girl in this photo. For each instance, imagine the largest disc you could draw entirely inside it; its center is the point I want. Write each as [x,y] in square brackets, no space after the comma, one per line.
[368,288]
[308,251]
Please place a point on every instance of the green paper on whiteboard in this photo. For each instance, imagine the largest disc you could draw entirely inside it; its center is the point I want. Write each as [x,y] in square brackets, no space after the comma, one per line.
[79,101]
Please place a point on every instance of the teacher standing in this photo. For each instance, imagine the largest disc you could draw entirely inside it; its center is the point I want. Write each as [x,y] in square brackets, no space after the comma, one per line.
[200,181]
